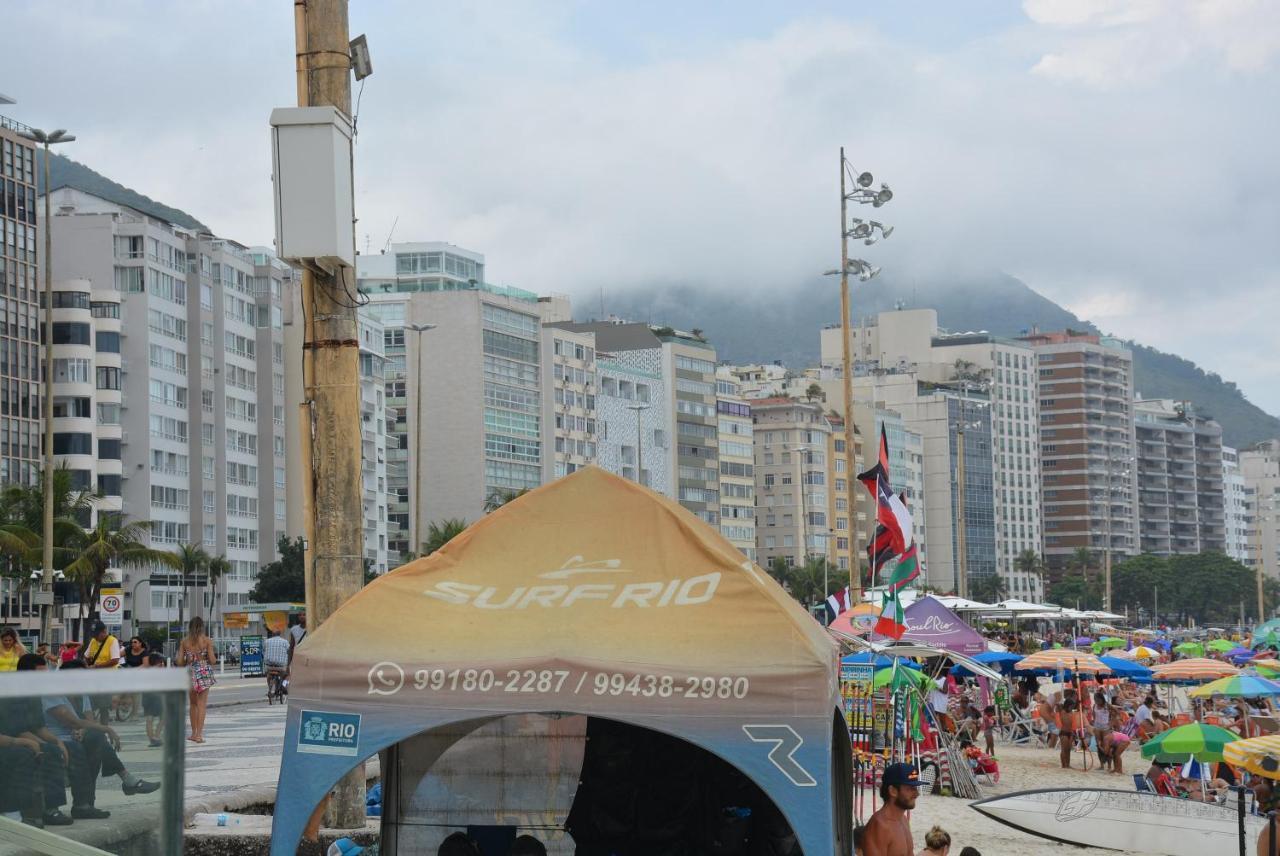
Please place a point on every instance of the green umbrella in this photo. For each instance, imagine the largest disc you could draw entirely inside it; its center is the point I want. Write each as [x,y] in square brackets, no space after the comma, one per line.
[1106,643]
[1195,740]
[1191,649]
[901,678]
[1221,645]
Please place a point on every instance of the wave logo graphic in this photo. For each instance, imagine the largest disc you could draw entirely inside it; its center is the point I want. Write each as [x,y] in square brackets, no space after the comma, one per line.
[385,678]
[576,566]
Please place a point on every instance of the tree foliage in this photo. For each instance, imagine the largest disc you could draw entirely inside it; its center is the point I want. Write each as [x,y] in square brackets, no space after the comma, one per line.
[806,582]
[282,581]
[442,532]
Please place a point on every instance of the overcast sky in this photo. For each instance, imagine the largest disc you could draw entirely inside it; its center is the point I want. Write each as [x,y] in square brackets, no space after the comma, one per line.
[1120,157]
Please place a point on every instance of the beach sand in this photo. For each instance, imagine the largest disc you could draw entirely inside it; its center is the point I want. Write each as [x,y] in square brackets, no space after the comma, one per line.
[1021,768]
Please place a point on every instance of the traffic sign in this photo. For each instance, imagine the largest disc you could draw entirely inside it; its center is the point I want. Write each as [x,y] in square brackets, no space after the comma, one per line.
[111,608]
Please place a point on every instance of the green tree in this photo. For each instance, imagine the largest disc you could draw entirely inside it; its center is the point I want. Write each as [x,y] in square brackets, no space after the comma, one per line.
[1076,592]
[499,498]
[815,393]
[1135,580]
[989,589]
[282,581]
[811,583]
[1080,561]
[111,544]
[441,533]
[1029,562]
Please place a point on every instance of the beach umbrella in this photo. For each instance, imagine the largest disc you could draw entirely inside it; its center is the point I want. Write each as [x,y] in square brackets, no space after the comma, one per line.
[1003,661]
[857,620]
[1240,654]
[1125,669]
[1258,755]
[1106,643]
[1221,646]
[900,679]
[1062,659]
[880,661]
[1194,740]
[1142,652]
[1196,669]
[1082,640]
[1191,649]
[1238,686]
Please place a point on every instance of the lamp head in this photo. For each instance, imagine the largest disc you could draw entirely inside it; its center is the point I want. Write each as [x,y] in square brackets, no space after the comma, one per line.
[865,179]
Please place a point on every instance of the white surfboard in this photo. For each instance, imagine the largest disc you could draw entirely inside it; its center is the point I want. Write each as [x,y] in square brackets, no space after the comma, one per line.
[1124,820]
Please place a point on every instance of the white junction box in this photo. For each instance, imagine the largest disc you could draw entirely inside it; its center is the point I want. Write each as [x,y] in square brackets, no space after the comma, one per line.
[311,173]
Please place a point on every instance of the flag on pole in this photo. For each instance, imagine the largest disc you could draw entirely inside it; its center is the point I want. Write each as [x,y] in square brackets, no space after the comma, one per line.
[836,604]
[891,511]
[892,622]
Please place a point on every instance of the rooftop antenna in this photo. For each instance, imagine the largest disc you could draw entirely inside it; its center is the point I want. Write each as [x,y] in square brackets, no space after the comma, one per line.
[387,245]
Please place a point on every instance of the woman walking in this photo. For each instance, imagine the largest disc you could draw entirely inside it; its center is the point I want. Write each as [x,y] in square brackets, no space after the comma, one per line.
[196,651]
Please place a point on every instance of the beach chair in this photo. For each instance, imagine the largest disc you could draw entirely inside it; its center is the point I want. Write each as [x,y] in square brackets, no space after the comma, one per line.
[1142,784]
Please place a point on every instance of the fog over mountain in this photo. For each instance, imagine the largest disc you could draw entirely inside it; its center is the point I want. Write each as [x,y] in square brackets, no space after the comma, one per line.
[783,324]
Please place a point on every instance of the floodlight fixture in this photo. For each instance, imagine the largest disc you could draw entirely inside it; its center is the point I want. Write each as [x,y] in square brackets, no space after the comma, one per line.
[865,179]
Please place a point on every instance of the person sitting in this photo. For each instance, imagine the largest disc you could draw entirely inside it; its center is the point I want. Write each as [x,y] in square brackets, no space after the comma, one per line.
[937,842]
[275,655]
[527,845]
[458,844]
[92,747]
[1161,782]
[23,718]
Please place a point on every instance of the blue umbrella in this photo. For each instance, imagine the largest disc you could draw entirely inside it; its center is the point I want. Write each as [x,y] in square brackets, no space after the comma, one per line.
[1000,660]
[1126,668]
[1239,655]
[880,661]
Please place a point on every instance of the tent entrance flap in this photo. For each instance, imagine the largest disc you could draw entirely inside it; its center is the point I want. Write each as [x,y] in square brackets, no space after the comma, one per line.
[578,785]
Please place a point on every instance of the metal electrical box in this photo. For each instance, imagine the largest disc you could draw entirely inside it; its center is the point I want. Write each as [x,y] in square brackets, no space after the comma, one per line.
[311,173]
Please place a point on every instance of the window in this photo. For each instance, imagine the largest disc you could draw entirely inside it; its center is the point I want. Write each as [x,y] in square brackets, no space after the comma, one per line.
[109,484]
[108,414]
[104,309]
[169,497]
[168,428]
[695,365]
[70,333]
[71,371]
[108,450]
[72,444]
[70,300]
[108,377]
[107,342]
[169,532]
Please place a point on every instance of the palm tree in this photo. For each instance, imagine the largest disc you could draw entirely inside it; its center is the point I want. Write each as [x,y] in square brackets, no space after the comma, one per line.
[992,589]
[501,497]
[192,560]
[1030,563]
[439,534]
[1080,561]
[112,543]
[218,567]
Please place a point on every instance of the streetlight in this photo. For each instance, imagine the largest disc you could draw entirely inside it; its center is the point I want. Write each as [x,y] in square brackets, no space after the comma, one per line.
[417,433]
[638,408]
[866,232]
[46,579]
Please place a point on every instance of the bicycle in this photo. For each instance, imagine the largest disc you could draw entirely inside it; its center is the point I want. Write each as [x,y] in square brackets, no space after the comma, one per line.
[276,690]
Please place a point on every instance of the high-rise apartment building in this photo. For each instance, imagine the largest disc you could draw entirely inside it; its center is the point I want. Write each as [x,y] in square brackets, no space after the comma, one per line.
[1180,479]
[792,438]
[993,371]
[737,467]
[373,430]
[691,384]
[840,487]
[1260,466]
[1236,503]
[570,401]
[464,384]
[200,385]
[20,282]
[1089,473]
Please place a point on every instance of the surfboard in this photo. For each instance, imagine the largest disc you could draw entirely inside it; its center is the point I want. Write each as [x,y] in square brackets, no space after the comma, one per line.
[1123,820]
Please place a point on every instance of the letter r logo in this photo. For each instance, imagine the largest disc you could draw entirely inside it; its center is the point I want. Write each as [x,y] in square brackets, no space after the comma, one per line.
[785,745]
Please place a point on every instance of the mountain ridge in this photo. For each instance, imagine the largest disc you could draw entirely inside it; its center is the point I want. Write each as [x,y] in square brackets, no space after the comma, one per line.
[997,303]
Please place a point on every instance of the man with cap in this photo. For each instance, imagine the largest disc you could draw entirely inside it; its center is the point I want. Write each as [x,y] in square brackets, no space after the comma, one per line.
[888,833]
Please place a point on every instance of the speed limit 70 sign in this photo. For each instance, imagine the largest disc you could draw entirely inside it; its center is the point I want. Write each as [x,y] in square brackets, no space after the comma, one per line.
[111,608]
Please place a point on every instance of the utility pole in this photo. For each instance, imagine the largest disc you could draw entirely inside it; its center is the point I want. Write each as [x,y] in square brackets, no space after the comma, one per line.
[331,378]
[962,559]
[846,372]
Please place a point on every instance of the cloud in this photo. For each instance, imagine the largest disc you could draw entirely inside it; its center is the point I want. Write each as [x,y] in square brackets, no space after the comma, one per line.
[1098,150]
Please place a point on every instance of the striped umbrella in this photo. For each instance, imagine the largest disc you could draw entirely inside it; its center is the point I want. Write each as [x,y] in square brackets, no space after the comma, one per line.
[1266,663]
[1198,669]
[1238,686]
[1059,659]
[1195,740]
[1258,755]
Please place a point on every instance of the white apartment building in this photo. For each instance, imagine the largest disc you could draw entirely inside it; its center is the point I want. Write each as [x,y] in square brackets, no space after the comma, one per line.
[200,385]
[373,430]
[1236,506]
[1260,466]
[791,445]
[634,419]
[1000,371]
[569,409]
[1180,479]
[463,385]
[734,433]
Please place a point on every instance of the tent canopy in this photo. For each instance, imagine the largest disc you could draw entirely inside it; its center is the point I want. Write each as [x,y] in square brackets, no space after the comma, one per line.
[930,623]
[590,595]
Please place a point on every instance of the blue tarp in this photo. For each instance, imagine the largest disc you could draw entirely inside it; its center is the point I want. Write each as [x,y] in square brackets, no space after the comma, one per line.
[1001,660]
[880,661]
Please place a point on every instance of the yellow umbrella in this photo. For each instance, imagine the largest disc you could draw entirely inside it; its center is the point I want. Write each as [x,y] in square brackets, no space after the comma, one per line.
[1195,669]
[1142,652]
[1258,755]
[1054,659]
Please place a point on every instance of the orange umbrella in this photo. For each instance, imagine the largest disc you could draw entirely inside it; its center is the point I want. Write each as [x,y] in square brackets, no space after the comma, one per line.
[857,620]
[1195,669]
[1055,659]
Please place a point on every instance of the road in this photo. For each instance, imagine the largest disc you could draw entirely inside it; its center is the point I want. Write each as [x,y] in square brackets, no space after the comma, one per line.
[233,689]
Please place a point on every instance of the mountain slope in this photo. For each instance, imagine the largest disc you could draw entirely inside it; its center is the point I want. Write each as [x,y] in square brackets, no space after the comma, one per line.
[783,325]
[64,172]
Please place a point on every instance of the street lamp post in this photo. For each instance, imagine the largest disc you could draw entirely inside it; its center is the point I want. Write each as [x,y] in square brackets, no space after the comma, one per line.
[866,232]
[46,577]
[416,543]
[638,409]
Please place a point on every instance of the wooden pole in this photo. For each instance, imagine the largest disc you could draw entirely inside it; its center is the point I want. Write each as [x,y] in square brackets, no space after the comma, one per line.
[331,378]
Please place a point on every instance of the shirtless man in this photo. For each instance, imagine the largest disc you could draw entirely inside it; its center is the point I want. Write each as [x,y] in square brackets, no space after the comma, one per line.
[888,833]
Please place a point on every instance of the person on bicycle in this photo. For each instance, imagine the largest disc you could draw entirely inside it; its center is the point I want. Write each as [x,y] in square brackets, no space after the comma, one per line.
[275,655]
